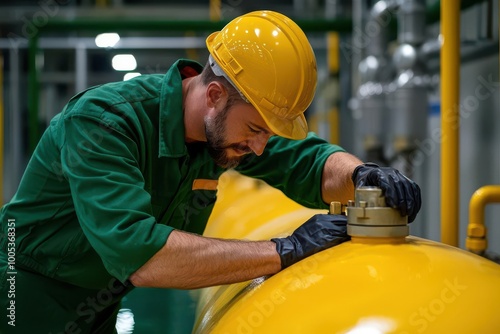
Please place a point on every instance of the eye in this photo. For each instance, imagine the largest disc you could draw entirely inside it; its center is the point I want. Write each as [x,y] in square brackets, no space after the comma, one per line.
[253,130]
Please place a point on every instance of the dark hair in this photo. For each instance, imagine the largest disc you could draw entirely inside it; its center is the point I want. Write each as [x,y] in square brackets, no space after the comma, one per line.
[208,76]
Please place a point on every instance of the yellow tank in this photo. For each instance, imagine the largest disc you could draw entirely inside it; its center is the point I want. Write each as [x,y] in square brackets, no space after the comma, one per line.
[380,282]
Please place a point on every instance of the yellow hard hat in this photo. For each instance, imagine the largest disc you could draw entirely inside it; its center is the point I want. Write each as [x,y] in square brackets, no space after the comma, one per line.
[268,58]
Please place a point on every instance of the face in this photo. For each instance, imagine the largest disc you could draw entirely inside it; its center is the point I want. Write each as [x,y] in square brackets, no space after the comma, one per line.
[234,133]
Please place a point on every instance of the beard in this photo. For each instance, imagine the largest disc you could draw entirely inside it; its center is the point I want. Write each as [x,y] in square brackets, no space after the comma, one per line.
[215,132]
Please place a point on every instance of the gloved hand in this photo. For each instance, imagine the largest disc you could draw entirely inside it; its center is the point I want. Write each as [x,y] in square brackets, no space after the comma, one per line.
[400,192]
[320,232]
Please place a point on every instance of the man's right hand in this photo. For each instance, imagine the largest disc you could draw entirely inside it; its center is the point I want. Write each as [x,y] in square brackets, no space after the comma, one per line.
[320,232]
[400,192]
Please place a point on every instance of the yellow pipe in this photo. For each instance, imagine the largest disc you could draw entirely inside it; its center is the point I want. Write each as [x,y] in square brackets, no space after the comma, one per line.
[334,121]
[333,42]
[1,130]
[192,53]
[333,117]
[450,78]
[101,3]
[476,231]
[215,10]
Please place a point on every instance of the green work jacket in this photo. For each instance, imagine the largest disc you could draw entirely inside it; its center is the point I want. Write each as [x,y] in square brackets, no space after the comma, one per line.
[112,176]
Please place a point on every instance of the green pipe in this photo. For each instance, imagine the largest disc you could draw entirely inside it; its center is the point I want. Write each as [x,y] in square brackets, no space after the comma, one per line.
[33,93]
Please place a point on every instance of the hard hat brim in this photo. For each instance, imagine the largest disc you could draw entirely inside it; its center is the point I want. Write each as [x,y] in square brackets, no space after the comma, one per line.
[283,127]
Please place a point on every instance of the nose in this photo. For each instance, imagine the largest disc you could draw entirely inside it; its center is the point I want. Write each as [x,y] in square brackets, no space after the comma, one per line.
[258,143]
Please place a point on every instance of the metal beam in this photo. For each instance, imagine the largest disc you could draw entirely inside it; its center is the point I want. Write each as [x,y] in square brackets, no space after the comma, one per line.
[119,24]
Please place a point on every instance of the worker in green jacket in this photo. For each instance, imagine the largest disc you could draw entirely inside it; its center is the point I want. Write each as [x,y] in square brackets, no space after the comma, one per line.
[125,172]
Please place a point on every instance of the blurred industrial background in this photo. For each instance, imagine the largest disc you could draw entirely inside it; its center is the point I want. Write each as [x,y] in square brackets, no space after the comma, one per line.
[379,93]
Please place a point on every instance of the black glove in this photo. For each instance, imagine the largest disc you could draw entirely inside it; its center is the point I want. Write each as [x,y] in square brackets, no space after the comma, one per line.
[400,192]
[320,232]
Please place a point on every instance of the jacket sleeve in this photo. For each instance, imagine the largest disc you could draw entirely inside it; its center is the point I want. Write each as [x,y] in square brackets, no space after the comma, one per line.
[107,187]
[293,166]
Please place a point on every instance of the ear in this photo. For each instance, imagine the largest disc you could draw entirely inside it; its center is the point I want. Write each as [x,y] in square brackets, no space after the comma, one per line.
[216,94]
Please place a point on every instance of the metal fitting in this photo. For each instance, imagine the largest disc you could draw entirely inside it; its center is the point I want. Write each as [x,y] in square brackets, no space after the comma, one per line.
[369,216]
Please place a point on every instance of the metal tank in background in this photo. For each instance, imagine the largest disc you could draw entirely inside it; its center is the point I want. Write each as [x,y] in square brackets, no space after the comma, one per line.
[376,71]
[382,281]
[391,103]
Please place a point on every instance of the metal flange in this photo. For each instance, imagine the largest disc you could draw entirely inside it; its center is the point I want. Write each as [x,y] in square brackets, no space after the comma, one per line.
[369,216]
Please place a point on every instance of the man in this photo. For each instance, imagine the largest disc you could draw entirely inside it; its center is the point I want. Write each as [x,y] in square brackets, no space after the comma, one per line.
[115,178]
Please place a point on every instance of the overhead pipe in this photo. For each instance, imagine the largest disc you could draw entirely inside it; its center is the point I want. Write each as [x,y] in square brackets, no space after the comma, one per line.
[476,230]
[450,122]
[119,24]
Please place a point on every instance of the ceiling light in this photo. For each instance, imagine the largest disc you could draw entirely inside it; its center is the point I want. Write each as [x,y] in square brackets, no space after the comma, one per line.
[124,62]
[107,40]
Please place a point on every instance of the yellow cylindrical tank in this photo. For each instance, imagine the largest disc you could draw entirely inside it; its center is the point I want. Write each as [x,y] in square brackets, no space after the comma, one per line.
[371,284]
[250,209]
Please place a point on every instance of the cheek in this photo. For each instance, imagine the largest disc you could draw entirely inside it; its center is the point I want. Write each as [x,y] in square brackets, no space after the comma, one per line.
[234,134]
[236,124]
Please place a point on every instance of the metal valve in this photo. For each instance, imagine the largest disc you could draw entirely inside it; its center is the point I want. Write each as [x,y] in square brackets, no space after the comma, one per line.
[369,216]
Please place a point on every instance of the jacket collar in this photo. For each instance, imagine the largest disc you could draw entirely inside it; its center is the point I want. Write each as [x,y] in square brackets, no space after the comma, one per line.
[171,129]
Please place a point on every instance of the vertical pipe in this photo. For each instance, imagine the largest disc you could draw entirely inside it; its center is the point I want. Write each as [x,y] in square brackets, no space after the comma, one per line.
[450,78]
[81,67]
[215,10]
[358,8]
[1,129]
[333,41]
[33,87]
[476,230]
[15,163]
